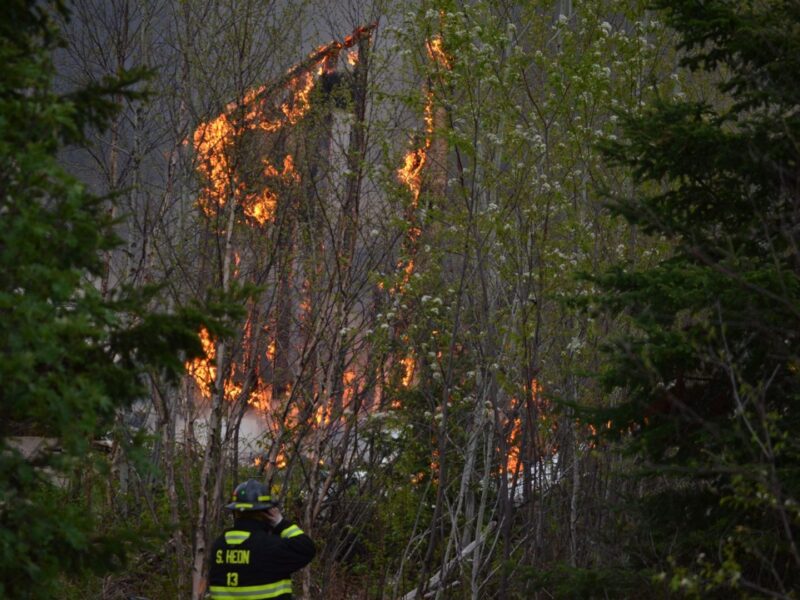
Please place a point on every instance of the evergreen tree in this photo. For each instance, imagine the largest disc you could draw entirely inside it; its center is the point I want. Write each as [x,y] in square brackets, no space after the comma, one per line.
[709,367]
[71,358]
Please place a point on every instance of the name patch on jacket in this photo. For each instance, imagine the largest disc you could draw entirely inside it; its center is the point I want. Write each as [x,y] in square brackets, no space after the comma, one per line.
[233,557]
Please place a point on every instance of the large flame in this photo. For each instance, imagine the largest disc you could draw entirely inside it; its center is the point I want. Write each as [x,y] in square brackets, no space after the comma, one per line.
[265,110]
[215,139]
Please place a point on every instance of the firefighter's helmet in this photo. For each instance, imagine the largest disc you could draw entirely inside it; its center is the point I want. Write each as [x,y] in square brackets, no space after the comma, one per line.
[251,495]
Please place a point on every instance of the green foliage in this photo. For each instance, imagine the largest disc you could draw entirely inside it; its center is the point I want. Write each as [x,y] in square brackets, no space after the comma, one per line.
[71,357]
[710,369]
[564,582]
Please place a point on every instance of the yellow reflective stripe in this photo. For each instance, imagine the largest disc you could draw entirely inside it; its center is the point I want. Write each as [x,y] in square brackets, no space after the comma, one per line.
[264,498]
[236,537]
[291,531]
[252,592]
[243,505]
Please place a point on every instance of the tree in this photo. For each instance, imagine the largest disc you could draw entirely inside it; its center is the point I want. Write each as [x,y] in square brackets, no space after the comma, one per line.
[525,93]
[709,366]
[72,356]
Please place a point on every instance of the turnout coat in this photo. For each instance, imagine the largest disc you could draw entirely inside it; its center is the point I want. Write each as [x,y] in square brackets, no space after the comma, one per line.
[253,561]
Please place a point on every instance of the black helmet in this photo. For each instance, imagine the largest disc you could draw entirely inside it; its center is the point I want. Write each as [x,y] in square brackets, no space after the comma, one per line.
[251,495]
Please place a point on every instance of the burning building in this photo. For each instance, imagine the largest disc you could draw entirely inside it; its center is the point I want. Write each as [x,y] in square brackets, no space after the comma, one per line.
[281,171]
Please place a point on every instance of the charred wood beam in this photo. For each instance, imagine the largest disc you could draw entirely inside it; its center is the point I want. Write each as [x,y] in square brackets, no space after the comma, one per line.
[327,51]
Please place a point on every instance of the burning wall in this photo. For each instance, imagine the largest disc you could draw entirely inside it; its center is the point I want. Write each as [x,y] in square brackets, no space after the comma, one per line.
[263,124]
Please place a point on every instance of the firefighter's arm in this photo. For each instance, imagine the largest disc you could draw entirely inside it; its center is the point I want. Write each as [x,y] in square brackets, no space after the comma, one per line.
[297,549]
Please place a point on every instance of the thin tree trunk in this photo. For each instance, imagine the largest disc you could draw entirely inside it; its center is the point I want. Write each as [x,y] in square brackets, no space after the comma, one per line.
[212,459]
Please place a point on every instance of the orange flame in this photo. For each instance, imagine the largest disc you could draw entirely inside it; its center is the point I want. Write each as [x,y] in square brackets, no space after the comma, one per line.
[261,398]
[514,442]
[436,52]
[215,139]
[215,142]
[410,174]
[514,436]
[323,414]
[301,102]
[204,370]
[350,385]
[409,368]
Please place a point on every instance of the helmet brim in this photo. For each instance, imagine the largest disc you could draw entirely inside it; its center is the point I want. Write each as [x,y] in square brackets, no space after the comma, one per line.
[250,506]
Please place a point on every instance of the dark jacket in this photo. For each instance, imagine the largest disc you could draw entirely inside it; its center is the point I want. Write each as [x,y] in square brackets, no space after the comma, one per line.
[253,561]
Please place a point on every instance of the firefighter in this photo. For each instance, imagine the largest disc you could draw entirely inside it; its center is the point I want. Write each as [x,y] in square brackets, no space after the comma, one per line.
[255,559]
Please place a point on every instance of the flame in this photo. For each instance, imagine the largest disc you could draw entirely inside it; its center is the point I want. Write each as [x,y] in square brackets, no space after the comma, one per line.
[215,139]
[261,207]
[410,174]
[436,52]
[350,386]
[514,435]
[409,368]
[513,443]
[261,398]
[323,414]
[204,370]
[301,102]
[264,109]
[211,140]
[352,58]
